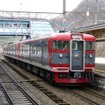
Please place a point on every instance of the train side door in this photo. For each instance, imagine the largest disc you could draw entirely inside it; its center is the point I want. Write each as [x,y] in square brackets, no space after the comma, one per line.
[44,55]
[77,55]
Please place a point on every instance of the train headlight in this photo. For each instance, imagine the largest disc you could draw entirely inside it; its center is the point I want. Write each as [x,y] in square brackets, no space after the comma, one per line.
[90,55]
[60,55]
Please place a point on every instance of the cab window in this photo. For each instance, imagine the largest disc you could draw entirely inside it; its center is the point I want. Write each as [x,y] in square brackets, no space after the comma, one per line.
[61,45]
[90,45]
[74,46]
[77,45]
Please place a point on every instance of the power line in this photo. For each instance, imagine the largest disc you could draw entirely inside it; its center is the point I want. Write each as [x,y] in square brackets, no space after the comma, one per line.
[24,4]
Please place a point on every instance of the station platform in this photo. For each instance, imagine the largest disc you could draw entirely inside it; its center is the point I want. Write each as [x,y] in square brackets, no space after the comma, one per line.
[100,63]
[100,60]
[100,66]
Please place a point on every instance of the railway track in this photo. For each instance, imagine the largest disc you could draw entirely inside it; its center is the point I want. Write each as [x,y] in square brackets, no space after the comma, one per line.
[88,95]
[74,92]
[90,101]
[6,93]
[13,92]
[95,93]
[52,96]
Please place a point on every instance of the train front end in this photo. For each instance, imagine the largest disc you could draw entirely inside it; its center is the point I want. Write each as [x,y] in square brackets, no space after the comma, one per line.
[73,58]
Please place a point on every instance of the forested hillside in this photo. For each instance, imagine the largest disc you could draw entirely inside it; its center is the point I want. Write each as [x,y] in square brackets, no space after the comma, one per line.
[79,17]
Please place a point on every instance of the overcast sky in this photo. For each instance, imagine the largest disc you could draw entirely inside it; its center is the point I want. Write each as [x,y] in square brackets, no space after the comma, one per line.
[38,5]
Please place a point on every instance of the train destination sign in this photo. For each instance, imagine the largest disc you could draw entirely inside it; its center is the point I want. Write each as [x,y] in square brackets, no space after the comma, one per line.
[79,37]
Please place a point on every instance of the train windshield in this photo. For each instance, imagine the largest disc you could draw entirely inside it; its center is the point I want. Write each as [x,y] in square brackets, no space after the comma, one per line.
[77,45]
[90,45]
[61,45]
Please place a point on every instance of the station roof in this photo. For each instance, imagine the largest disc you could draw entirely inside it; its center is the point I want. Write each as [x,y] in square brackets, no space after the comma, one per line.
[90,28]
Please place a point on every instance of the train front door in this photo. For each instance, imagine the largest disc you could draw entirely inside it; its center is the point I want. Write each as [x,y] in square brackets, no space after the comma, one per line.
[77,55]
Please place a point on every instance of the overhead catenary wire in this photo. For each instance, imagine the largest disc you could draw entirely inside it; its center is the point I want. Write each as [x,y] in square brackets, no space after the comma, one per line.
[23,4]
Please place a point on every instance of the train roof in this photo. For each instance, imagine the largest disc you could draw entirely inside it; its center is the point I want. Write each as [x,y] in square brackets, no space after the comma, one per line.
[68,36]
[60,36]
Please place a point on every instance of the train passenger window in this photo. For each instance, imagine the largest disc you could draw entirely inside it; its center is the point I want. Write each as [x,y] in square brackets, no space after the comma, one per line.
[90,45]
[45,50]
[33,47]
[61,45]
[37,49]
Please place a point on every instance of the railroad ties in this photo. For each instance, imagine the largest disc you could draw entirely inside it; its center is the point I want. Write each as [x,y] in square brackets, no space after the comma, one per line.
[13,92]
[52,96]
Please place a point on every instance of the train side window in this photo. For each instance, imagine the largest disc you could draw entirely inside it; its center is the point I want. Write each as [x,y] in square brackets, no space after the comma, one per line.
[37,49]
[33,49]
[45,49]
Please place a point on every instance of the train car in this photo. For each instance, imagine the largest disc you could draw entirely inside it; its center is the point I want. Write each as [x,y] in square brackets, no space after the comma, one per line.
[62,58]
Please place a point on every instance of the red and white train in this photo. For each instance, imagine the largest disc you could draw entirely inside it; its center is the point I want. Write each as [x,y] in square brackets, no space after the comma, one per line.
[63,58]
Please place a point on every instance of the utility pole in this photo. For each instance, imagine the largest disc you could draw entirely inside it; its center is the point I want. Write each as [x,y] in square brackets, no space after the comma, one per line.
[96,15]
[87,12]
[64,15]
[64,7]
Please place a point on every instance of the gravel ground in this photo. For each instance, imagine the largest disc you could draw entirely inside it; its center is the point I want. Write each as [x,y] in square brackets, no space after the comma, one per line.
[43,99]
[34,92]
[40,97]
[73,100]
[90,96]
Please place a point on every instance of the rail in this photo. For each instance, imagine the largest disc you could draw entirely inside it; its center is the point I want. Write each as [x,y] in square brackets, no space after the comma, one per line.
[6,93]
[100,39]
[19,87]
[52,96]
